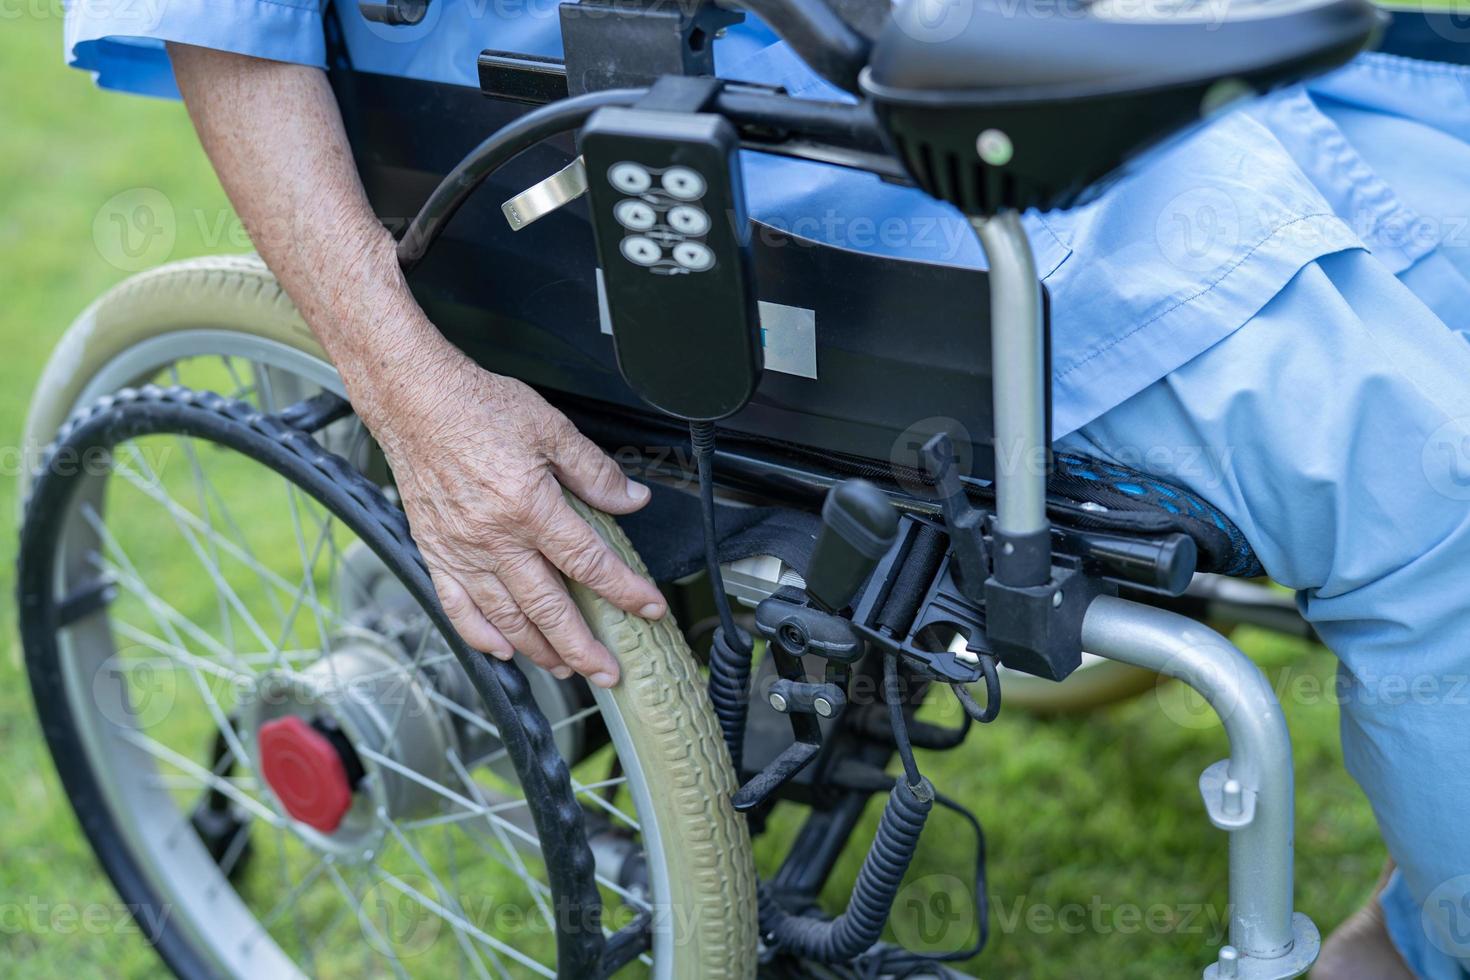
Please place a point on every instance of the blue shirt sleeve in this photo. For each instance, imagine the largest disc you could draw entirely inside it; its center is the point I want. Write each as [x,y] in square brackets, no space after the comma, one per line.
[121,41]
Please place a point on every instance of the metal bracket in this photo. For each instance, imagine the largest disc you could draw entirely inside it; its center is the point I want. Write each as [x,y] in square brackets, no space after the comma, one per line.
[545,196]
[630,43]
[794,630]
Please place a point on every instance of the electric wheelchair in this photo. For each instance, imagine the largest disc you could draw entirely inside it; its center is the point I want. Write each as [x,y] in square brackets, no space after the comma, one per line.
[851,447]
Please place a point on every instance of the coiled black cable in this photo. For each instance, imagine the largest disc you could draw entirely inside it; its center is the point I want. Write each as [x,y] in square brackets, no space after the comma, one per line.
[898,962]
[854,931]
[731,651]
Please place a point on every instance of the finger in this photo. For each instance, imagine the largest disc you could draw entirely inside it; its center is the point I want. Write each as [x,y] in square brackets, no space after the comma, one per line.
[467,618]
[540,593]
[574,547]
[592,475]
[495,601]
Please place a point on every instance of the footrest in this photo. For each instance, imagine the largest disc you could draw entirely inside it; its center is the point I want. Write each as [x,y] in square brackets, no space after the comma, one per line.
[768,780]
[1235,965]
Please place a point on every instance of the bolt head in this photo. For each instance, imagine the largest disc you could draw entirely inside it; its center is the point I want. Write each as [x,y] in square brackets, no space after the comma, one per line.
[778,702]
[823,707]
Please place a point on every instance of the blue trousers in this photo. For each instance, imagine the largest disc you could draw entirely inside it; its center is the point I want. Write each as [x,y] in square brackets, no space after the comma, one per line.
[1334,429]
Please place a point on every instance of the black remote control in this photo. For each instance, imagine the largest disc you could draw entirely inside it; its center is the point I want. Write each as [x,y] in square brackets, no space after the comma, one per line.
[668,211]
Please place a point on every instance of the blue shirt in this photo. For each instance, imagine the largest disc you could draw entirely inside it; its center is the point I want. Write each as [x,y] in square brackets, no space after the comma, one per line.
[1169,261]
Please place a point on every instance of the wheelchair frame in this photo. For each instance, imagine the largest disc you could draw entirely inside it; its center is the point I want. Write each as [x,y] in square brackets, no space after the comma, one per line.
[1249,795]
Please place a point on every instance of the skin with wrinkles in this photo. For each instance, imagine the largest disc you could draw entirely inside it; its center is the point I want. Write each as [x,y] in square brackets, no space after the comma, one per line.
[481,460]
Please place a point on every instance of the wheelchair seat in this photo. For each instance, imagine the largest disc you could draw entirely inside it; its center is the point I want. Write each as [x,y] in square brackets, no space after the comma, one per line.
[1084,493]
[1029,106]
[1091,493]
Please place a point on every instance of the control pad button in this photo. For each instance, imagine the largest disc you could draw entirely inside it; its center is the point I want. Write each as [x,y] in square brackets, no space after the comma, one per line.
[641,250]
[693,256]
[683,183]
[687,220]
[634,214]
[630,178]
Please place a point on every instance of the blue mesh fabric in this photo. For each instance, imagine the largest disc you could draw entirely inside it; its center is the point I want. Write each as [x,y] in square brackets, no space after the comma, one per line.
[1136,499]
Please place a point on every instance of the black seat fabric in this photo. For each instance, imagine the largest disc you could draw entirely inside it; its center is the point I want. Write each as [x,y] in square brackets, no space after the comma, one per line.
[1136,502]
[1084,493]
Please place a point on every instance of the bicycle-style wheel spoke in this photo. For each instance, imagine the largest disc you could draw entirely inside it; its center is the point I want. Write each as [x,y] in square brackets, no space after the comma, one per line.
[249,603]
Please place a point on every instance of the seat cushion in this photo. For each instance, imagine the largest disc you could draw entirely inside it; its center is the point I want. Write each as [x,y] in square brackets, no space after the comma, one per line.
[1092,493]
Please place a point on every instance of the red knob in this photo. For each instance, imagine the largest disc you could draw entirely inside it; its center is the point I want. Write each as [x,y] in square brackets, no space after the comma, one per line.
[305,771]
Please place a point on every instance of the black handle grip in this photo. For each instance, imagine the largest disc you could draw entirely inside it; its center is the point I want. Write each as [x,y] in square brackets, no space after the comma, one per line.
[1162,564]
[859,525]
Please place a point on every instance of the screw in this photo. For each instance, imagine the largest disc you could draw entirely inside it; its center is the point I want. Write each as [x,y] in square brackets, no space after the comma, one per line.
[994,147]
[822,706]
[1056,599]
[778,702]
[1229,962]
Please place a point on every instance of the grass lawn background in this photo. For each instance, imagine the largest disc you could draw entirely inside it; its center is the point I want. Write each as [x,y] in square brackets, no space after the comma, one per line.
[1102,861]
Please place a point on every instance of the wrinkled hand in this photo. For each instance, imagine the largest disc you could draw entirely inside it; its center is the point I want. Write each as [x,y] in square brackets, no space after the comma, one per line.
[481,461]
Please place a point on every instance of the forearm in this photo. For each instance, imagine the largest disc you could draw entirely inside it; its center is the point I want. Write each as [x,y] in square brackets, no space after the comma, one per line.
[275,137]
[481,461]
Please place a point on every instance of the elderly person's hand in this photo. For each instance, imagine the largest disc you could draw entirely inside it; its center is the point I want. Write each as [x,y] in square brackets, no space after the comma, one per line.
[480,460]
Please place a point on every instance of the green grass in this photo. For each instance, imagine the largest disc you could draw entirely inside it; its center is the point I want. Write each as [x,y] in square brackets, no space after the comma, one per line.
[1102,862]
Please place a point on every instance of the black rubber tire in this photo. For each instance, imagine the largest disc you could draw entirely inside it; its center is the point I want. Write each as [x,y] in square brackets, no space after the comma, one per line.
[361,507]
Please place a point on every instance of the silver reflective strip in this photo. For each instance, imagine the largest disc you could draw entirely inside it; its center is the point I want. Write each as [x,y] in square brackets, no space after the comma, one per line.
[539,200]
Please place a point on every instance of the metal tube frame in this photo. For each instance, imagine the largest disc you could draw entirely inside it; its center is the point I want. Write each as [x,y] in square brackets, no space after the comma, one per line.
[1249,795]
[1018,369]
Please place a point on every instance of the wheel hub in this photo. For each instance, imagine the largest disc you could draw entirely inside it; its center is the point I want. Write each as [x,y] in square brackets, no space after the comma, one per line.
[351,742]
[306,770]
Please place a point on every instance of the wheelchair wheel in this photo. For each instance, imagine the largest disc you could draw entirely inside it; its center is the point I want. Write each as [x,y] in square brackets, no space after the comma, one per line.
[271,746]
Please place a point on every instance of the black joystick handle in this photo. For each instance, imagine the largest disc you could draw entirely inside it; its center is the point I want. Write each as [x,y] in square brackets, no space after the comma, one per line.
[859,525]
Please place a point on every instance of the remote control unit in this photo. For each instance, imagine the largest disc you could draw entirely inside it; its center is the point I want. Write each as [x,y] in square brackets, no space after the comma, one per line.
[668,212]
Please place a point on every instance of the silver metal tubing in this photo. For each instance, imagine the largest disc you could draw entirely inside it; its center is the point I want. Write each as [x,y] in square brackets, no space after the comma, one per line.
[1249,795]
[1018,365]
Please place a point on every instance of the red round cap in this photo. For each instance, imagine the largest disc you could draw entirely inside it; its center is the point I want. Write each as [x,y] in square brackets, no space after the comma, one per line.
[305,771]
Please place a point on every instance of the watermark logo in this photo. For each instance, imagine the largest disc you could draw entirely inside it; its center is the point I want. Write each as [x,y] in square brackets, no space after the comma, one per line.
[935,914]
[132,689]
[1198,230]
[407,33]
[136,229]
[1450,19]
[934,21]
[905,455]
[1446,917]
[1445,459]
[396,923]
